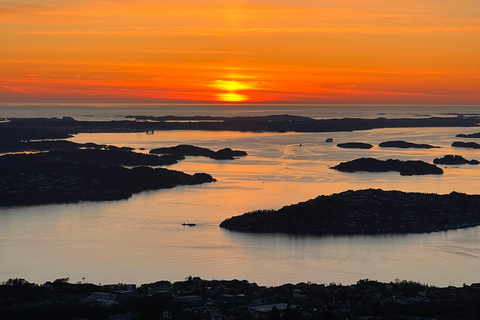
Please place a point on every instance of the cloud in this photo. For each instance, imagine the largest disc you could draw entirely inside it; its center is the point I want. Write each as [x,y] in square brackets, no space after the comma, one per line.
[224,32]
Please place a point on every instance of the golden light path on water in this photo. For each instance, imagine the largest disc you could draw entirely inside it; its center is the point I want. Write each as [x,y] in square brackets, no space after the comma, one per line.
[142,240]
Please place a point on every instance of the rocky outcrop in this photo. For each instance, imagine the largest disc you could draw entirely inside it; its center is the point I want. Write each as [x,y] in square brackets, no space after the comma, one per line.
[468,135]
[405,168]
[451,159]
[189,150]
[405,145]
[470,145]
[355,145]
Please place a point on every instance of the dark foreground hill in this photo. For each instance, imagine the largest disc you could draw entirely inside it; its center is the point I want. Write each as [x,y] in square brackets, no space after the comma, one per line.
[196,298]
[371,211]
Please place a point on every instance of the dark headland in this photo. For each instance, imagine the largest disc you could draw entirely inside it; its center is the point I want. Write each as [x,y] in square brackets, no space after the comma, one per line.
[371,211]
[84,175]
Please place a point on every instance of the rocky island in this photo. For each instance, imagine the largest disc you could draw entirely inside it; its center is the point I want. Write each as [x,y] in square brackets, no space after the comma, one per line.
[470,145]
[405,145]
[405,168]
[371,211]
[454,159]
[355,145]
[188,150]
[468,135]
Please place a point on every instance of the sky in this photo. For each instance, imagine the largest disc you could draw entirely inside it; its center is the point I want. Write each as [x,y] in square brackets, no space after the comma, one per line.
[305,51]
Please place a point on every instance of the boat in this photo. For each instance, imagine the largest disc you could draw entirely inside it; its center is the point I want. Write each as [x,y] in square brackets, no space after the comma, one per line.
[189,224]
[329,140]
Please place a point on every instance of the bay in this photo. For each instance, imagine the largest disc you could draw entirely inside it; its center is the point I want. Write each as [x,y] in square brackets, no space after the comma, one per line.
[142,240]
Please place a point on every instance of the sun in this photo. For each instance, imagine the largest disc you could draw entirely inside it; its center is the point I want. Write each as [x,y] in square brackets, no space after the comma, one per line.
[232,87]
[232,97]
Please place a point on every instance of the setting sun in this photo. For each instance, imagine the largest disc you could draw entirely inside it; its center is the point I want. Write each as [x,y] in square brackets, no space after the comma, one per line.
[329,52]
[232,97]
[232,87]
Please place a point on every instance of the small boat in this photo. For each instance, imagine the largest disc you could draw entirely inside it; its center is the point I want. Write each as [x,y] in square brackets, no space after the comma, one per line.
[189,224]
[329,140]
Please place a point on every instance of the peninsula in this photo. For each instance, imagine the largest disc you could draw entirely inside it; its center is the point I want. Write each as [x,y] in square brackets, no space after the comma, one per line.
[84,175]
[371,211]
[405,168]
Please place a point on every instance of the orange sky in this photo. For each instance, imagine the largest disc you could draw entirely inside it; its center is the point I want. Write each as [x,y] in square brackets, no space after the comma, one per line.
[307,51]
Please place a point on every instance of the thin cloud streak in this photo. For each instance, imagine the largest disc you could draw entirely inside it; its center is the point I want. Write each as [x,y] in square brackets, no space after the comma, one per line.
[223,32]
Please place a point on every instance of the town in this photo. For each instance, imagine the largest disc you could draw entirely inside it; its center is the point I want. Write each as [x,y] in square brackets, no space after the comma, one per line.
[195,298]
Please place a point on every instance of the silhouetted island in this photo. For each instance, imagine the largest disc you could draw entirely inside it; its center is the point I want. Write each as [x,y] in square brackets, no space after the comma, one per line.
[454,159]
[81,175]
[355,145]
[468,135]
[405,145]
[371,211]
[405,168]
[470,145]
[189,150]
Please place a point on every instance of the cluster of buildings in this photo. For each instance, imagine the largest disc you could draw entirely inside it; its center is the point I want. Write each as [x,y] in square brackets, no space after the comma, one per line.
[200,299]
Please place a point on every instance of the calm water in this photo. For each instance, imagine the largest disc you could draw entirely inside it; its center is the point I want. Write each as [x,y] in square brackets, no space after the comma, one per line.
[142,240]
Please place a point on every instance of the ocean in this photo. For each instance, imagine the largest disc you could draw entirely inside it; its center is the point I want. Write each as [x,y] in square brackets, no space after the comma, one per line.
[142,239]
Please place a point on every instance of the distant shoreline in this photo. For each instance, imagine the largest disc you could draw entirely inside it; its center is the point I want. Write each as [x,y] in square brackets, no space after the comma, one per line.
[59,127]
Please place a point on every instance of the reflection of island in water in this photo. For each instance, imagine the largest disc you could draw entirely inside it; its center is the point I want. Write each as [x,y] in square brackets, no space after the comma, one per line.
[371,211]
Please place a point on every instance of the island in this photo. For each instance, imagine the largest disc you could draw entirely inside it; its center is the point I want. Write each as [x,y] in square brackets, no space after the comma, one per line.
[355,145]
[189,150]
[454,159]
[370,211]
[84,175]
[405,145]
[405,168]
[468,135]
[470,145]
